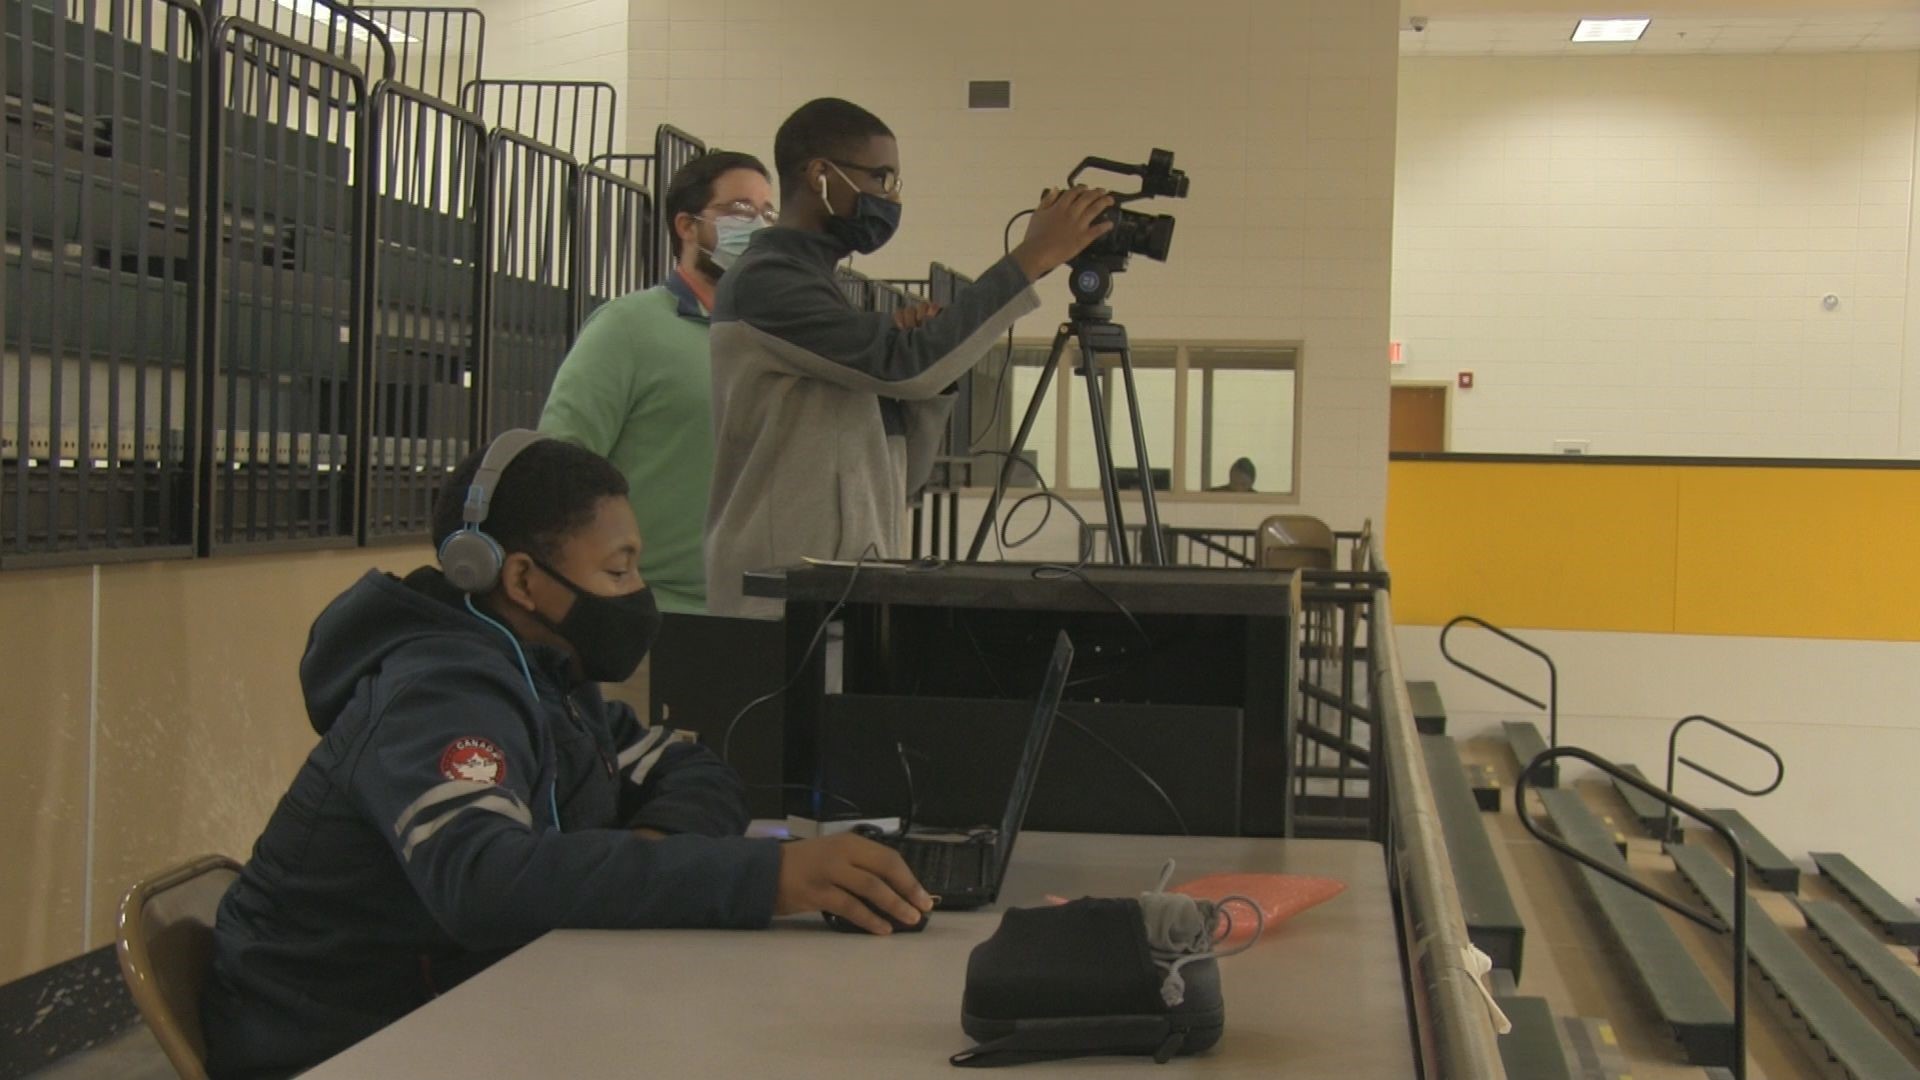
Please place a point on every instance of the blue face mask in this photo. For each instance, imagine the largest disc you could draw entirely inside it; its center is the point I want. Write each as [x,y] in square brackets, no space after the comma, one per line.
[873,223]
[732,234]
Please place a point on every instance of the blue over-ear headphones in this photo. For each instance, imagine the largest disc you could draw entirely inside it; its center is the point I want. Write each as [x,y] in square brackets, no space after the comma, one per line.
[469,557]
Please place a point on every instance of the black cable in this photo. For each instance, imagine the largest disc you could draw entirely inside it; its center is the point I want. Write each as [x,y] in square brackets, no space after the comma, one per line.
[726,741]
[1056,571]
[913,797]
[1179,818]
[974,435]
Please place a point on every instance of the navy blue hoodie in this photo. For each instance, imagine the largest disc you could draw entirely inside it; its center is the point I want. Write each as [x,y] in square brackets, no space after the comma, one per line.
[451,814]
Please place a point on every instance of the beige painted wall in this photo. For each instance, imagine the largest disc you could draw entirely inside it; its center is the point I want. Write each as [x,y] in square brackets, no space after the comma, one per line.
[192,709]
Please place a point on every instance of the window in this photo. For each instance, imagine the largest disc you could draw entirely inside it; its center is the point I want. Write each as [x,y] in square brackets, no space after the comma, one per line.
[1203,407]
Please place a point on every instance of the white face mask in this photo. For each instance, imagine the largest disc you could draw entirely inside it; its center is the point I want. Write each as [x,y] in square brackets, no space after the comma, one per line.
[731,236]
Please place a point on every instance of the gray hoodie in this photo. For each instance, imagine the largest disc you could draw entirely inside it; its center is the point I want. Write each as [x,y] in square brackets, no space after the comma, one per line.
[826,418]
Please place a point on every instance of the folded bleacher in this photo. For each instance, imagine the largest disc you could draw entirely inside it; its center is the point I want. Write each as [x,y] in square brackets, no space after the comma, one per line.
[271,273]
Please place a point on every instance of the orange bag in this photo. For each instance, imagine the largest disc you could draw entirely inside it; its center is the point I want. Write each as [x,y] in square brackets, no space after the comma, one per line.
[1280,896]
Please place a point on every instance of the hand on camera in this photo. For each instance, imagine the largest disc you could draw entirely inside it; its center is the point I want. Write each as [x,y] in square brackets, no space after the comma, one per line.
[1062,227]
[912,318]
[836,873]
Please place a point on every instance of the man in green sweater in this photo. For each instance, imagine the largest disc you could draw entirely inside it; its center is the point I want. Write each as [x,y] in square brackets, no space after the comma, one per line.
[636,388]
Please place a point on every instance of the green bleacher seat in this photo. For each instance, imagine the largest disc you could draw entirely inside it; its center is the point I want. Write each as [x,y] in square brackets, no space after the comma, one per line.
[1898,921]
[1769,864]
[1650,812]
[1526,742]
[1849,1038]
[1679,990]
[1493,922]
[1486,787]
[1891,980]
[1429,714]
[1532,1049]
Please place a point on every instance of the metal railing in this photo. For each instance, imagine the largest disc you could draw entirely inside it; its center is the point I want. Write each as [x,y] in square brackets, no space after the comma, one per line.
[530,301]
[437,50]
[672,148]
[291,266]
[1674,758]
[574,118]
[333,27]
[613,220]
[424,345]
[1544,764]
[1551,706]
[1185,545]
[1453,1032]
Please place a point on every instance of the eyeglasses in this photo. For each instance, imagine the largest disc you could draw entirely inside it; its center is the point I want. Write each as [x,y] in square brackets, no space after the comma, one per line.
[746,211]
[886,176]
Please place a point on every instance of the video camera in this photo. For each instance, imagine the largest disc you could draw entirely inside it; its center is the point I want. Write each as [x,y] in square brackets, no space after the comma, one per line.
[1133,233]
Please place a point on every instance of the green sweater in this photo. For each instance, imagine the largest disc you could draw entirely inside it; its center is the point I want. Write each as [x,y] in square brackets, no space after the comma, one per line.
[636,389]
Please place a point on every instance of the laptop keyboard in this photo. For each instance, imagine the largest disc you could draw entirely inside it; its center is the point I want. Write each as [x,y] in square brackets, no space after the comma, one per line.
[940,865]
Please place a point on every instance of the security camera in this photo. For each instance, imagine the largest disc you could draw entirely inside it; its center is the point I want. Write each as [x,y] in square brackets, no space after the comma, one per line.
[1417,24]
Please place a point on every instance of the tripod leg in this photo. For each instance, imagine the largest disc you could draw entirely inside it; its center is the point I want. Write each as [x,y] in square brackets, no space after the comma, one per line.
[989,520]
[1151,551]
[1103,451]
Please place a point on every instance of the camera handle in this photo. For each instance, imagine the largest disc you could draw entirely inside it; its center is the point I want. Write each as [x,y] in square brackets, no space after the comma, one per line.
[1095,334]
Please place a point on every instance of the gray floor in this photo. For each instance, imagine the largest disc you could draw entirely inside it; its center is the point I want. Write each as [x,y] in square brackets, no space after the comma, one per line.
[131,1056]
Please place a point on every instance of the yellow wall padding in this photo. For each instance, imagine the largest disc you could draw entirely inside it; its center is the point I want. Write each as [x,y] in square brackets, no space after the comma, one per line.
[1692,549]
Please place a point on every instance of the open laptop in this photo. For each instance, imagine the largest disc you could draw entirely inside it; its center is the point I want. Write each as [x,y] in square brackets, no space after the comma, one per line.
[965,872]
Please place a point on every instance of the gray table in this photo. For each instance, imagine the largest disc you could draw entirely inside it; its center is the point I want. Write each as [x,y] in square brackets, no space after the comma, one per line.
[1321,996]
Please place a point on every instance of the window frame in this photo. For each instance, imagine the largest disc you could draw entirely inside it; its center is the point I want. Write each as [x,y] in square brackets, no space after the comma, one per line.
[1059,471]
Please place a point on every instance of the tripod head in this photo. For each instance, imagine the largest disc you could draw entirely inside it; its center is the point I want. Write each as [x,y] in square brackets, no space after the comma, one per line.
[1092,283]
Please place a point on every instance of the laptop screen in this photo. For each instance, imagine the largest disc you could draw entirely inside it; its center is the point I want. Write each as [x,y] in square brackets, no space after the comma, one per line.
[1038,732]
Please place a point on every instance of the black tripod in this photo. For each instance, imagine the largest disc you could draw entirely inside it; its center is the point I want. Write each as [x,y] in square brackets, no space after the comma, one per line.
[1090,322]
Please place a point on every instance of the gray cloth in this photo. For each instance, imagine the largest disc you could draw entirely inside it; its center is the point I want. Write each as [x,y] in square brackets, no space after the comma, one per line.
[1176,923]
[804,389]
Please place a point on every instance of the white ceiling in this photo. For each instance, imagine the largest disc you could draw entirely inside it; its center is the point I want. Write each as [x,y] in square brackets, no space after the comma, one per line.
[1546,35]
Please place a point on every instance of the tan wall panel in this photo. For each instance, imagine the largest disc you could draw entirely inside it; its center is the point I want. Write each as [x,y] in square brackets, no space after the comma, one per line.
[201,720]
[44,677]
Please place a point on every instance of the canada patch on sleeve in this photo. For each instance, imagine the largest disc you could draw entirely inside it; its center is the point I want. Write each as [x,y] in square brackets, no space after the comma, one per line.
[473,758]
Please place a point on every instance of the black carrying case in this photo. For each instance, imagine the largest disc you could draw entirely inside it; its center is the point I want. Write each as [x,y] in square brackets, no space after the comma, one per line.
[1077,979]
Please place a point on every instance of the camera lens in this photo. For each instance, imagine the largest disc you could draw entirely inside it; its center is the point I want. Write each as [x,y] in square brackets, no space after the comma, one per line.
[1151,235]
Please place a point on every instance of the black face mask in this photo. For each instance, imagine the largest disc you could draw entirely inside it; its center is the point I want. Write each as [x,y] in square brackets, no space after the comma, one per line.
[873,223]
[611,633]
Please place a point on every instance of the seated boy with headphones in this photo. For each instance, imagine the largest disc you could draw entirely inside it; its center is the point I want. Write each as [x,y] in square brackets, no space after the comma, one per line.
[472,790]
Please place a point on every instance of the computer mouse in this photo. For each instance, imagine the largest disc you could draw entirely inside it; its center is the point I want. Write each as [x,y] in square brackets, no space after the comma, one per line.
[847,926]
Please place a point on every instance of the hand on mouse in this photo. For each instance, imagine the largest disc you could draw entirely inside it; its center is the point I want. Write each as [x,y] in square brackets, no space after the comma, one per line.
[836,873]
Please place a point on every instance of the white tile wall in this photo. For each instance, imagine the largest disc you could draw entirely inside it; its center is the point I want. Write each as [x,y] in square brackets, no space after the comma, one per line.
[1280,110]
[579,40]
[1633,251]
